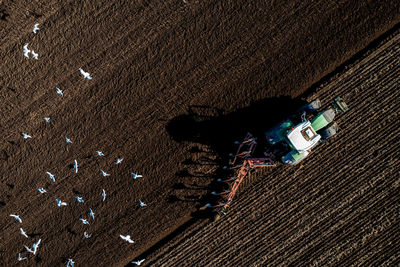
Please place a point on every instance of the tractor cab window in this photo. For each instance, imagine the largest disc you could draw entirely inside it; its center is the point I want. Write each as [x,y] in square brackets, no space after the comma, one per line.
[308,133]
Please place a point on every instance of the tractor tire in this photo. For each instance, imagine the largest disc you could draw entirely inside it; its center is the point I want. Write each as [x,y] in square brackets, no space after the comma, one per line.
[330,131]
[311,106]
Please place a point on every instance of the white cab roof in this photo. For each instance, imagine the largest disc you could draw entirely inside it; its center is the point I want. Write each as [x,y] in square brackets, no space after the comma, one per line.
[303,137]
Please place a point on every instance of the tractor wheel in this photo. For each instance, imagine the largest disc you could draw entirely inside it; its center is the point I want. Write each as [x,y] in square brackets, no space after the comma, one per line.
[329,131]
[311,106]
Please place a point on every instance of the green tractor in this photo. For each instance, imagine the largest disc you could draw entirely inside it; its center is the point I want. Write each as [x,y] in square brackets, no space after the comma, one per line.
[297,140]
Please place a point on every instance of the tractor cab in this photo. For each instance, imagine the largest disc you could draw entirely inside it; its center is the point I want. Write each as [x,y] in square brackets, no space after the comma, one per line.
[303,137]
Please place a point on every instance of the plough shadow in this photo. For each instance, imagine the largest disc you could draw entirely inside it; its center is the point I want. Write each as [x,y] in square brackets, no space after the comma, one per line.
[212,133]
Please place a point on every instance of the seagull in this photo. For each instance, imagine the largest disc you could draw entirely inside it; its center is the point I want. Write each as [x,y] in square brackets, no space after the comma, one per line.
[36,28]
[59,91]
[103,195]
[70,263]
[142,204]
[68,140]
[26,51]
[76,166]
[51,176]
[100,153]
[16,217]
[139,262]
[84,221]
[23,232]
[135,176]
[79,199]
[86,235]
[119,160]
[26,136]
[104,173]
[29,250]
[42,190]
[20,258]
[34,55]
[91,213]
[127,238]
[60,203]
[47,119]
[86,75]
[36,246]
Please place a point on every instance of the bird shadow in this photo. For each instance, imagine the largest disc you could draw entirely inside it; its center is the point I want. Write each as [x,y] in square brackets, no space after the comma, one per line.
[4,15]
[69,230]
[34,234]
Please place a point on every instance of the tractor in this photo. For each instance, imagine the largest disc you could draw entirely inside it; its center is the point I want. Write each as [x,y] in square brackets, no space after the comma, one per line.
[288,143]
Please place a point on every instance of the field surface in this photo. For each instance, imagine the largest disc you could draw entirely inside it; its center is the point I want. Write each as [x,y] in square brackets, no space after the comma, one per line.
[152,63]
[340,207]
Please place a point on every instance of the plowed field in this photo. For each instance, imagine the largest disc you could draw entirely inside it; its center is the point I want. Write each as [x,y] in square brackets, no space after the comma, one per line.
[153,61]
[339,207]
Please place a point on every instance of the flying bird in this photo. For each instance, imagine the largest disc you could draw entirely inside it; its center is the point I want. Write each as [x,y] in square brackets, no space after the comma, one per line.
[76,166]
[51,176]
[26,51]
[47,119]
[68,140]
[100,153]
[23,232]
[20,258]
[60,203]
[70,263]
[35,246]
[139,262]
[42,190]
[79,199]
[34,55]
[135,176]
[86,235]
[104,173]
[16,217]
[85,74]
[103,195]
[29,250]
[36,28]
[84,221]
[59,91]
[142,204]
[127,238]
[119,160]
[26,136]
[91,213]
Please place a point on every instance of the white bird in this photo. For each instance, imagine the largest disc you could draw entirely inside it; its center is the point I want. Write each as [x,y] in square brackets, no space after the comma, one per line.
[103,195]
[70,263]
[127,238]
[86,235]
[119,160]
[68,140]
[60,203]
[79,199]
[142,204]
[135,176]
[34,55]
[26,136]
[100,153]
[26,51]
[29,250]
[91,213]
[59,91]
[42,190]
[76,166]
[23,232]
[85,74]
[51,176]
[84,221]
[16,217]
[47,119]
[20,258]
[104,173]
[138,262]
[36,28]
[36,246]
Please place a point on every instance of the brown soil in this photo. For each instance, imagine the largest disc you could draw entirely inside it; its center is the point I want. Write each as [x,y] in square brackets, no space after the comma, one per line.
[152,62]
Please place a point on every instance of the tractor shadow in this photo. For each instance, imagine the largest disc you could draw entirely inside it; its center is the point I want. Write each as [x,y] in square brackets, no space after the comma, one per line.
[211,133]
